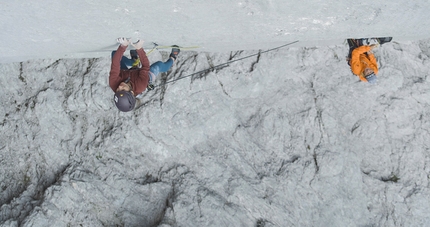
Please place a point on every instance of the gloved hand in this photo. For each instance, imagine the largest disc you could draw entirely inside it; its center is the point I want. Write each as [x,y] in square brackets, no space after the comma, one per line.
[138,45]
[123,41]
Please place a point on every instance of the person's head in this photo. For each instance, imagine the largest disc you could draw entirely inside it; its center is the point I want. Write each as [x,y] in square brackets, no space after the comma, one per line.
[124,97]
[370,76]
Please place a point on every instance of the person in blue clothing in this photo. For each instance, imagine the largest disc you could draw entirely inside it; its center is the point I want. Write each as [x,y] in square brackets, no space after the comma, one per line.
[155,68]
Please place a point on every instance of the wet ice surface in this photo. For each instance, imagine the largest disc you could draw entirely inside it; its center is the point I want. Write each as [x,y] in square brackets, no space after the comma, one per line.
[87,28]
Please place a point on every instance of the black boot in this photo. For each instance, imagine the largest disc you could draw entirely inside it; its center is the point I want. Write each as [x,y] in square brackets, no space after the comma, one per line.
[175,51]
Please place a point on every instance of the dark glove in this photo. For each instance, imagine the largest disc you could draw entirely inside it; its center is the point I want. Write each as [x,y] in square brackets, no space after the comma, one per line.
[150,87]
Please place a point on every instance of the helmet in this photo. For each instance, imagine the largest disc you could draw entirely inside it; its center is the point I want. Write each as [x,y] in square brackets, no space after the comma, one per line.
[371,78]
[124,100]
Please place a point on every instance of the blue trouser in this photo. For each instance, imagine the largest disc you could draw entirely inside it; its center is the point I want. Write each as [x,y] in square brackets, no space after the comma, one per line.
[159,67]
[156,68]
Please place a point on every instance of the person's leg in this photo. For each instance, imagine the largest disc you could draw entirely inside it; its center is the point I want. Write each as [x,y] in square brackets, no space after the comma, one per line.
[163,66]
[159,67]
[126,63]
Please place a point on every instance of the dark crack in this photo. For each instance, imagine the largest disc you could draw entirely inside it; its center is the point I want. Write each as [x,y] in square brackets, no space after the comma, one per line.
[262,222]
[148,179]
[234,54]
[21,73]
[223,89]
[30,102]
[315,157]
[174,175]
[286,163]
[318,118]
[391,178]
[91,62]
[36,195]
[253,65]
[355,127]
[53,65]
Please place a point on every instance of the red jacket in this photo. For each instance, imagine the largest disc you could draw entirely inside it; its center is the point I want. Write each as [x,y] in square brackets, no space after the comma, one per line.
[139,77]
[361,61]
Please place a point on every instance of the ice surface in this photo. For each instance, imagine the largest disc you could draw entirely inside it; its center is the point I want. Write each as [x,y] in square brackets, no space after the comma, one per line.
[289,138]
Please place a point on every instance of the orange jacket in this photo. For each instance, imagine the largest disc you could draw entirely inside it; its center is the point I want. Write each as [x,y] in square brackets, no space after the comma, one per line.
[360,61]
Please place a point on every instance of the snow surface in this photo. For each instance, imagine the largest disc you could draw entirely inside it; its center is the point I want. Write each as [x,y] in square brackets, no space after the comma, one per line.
[287,138]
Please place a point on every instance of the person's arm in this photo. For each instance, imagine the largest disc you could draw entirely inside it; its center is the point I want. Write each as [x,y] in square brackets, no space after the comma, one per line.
[115,69]
[356,66]
[141,82]
[374,64]
[142,55]
[143,77]
[143,59]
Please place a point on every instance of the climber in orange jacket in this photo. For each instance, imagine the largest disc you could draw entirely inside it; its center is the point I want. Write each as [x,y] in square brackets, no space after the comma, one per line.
[363,63]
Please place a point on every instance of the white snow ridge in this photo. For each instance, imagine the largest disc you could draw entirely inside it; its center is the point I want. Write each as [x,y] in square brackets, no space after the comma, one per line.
[285,138]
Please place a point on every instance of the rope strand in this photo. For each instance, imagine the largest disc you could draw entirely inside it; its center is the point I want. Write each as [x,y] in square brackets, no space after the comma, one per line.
[229,62]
